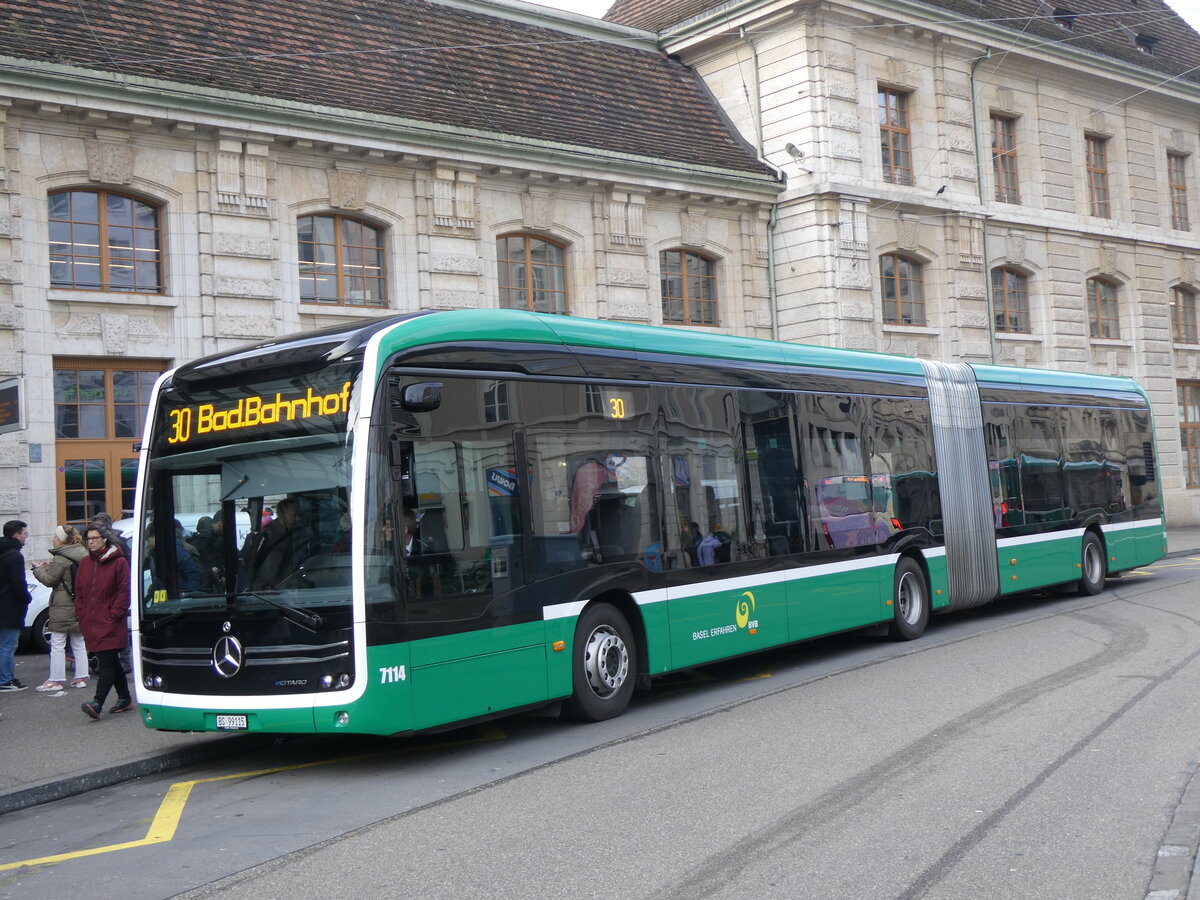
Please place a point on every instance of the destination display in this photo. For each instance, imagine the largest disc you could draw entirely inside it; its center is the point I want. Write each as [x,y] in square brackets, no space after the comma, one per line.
[301,405]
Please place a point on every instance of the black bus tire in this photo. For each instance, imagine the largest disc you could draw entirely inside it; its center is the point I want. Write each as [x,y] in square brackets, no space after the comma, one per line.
[603,665]
[910,601]
[1092,565]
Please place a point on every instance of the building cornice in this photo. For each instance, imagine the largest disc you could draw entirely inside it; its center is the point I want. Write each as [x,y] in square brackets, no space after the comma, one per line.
[174,101]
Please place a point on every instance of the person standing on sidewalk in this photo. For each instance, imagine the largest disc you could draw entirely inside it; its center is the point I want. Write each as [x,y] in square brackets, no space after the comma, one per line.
[101,605]
[14,599]
[67,551]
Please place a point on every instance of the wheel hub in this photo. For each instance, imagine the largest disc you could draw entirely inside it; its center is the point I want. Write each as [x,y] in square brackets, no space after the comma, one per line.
[605,661]
[907,604]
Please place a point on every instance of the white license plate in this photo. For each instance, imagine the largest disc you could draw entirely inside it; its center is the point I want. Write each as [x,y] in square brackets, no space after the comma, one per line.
[231,723]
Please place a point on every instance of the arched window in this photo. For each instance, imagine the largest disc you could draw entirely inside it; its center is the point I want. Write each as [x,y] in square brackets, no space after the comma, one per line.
[103,241]
[1010,300]
[902,284]
[689,288]
[533,274]
[1103,313]
[341,261]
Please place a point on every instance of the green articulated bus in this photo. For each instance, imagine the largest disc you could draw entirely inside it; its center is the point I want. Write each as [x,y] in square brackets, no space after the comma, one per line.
[455,515]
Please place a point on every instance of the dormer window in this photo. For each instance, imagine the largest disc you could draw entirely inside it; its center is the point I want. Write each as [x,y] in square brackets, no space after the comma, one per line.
[1145,43]
[1064,18]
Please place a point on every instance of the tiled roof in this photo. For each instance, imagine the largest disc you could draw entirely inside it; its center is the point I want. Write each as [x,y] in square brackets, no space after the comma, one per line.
[1105,27]
[414,59]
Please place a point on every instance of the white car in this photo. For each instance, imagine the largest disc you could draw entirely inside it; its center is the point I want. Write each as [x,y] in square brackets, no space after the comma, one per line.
[34,635]
[188,522]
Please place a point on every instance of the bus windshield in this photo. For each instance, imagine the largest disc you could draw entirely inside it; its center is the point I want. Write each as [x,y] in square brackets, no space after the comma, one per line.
[257,518]
[256,528]
[247,526]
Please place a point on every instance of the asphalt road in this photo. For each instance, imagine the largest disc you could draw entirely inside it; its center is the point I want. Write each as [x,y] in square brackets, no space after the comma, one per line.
[1033,748]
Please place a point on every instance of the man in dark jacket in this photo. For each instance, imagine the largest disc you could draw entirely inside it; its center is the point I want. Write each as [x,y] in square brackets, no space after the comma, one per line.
[14,599]
[287,542]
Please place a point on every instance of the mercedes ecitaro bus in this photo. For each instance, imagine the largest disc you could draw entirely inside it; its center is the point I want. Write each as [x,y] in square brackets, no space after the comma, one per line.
[475,512]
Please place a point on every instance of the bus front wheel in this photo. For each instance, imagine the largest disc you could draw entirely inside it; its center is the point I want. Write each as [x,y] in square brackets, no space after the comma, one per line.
[604,666]
[910,601]
[1091,565]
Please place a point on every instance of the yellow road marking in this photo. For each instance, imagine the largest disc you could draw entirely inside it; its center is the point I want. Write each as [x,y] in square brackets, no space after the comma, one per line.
[170,811]
[765,673]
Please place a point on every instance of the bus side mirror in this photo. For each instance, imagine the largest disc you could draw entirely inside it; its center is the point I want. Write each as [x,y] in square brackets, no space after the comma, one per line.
[424,397]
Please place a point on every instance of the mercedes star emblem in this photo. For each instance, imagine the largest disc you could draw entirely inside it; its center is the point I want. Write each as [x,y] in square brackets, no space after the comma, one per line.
[227,656]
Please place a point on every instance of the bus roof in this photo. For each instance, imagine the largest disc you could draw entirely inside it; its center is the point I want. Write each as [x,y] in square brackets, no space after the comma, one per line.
[519,326]
[449,327]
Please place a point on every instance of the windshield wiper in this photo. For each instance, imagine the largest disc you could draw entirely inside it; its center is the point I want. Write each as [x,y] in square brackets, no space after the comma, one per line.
[307,619]
[152,626]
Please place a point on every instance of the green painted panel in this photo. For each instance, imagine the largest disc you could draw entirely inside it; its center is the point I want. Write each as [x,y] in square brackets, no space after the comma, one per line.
[1052,559]
[459,676]
[475,686]
[476,643]
[386,707]
[939,582]
[1152,545]
[558,662]
[657,620]
[1123,549]
[1136,546]
[727,623]
[839,600]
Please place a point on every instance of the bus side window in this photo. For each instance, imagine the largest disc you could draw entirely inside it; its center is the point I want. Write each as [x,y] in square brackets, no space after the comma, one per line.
[703,447]
[835,471]
[904,486]
[773,480]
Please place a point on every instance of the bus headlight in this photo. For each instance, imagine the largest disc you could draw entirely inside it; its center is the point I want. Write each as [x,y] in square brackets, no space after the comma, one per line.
[154,682]
[338,682]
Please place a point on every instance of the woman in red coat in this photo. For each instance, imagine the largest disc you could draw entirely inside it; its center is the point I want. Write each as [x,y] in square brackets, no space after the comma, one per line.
[101,605]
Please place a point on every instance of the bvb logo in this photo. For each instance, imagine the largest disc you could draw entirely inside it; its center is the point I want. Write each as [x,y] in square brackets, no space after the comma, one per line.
[744,608]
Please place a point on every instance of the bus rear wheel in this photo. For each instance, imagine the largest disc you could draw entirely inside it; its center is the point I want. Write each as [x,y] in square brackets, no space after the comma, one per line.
[910,602]
[604,665]
[1091,565]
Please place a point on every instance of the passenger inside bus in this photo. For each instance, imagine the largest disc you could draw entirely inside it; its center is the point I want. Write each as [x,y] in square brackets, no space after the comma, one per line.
[285,544]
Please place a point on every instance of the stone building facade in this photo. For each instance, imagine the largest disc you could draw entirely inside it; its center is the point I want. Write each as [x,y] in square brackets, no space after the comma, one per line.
[233,188]
[1030,170]
[1013,185]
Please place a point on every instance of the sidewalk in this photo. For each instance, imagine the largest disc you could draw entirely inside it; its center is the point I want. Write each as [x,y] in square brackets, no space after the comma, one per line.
[51,750]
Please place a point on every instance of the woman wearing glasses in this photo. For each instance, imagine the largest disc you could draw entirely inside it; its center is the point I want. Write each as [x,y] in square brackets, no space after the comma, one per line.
[101,605]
